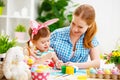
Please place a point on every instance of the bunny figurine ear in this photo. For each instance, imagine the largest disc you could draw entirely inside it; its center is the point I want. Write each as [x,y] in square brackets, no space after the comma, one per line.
[49,22]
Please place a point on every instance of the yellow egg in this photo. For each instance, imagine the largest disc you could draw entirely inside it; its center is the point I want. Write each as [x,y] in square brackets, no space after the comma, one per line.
[39,70]
[30,61]
[107,71]
[40,66]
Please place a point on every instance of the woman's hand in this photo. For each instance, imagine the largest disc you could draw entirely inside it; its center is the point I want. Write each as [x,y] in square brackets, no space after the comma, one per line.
[59,63]
[69,64]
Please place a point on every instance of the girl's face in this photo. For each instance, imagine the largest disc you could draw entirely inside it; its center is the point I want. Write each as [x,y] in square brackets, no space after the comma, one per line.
[42,44]
[78,26]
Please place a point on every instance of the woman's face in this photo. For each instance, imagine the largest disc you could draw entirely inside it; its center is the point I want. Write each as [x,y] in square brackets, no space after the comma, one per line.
[42,44]
[78,26]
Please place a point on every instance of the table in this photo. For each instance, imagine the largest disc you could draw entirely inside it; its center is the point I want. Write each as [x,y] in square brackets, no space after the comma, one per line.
[65,77]
[98,79]
[57,75]
[87,79]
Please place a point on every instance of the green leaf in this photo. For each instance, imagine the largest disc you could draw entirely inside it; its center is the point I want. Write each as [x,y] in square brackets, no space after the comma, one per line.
[46,6]
[69,16]
[2,4]
[6,43]
[118,60]
[20,28]
[61,4]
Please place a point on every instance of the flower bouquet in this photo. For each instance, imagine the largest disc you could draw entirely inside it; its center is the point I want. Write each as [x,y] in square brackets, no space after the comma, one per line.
[113,57]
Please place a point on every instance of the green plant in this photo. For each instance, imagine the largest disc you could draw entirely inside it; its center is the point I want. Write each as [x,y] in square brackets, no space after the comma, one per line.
[6,43]
[20,28]
[2,4]
[50,9]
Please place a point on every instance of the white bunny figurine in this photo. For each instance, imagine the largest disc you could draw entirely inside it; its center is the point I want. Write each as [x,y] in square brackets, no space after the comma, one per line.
[14,67]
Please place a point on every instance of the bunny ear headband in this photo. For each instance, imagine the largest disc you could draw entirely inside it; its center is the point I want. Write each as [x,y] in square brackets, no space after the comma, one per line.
[35,26]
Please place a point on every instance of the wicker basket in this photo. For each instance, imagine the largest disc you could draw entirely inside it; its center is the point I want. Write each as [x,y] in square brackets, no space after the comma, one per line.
[2,56]
[1,72]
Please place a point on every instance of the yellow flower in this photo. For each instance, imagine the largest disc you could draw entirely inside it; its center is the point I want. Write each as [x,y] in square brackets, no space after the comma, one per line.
[115,54]
[118,53]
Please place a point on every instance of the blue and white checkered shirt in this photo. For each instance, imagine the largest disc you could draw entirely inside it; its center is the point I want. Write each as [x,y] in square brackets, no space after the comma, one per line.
[61,43]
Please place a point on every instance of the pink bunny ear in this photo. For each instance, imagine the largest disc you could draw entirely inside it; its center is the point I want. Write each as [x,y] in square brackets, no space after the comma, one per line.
[49,22]
[34,24]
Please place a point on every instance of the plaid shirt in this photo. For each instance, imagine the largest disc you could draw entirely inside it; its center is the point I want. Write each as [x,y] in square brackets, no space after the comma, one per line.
[60,41]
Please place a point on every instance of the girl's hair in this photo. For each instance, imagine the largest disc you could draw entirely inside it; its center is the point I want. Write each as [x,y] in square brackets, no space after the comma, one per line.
[87,13]
[42,33]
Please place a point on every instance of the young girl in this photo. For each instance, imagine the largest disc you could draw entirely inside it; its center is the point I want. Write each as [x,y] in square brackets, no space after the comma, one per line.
[39,44]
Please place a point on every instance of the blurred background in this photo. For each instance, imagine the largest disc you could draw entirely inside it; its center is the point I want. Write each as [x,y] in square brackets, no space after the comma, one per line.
[20,12]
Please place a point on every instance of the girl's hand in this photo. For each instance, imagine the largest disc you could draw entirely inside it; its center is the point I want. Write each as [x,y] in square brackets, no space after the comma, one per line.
[37,61]
[43,58]
[59,63]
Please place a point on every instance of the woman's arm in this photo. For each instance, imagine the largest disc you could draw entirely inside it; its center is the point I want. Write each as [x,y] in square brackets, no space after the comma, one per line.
[95,57]
[95,60]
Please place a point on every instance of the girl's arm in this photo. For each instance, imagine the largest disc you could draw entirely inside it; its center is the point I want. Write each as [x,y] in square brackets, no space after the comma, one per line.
[95,60]
[43,58]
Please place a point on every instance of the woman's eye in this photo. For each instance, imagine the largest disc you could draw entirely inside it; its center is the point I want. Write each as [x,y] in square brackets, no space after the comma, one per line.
[73,23]
[80,27]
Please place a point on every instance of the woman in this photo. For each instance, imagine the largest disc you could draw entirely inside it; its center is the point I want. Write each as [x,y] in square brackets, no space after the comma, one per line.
[75,43]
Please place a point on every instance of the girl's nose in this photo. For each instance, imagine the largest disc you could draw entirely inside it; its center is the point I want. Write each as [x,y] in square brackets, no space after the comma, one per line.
[47,44]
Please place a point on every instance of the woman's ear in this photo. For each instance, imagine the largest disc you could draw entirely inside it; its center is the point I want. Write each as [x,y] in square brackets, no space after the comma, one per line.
[89,26]
[92,24]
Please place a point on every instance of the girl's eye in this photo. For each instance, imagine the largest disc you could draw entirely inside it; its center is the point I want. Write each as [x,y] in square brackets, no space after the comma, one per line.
[42,42]
[48,40]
